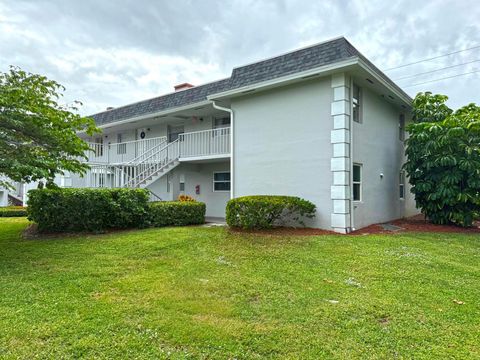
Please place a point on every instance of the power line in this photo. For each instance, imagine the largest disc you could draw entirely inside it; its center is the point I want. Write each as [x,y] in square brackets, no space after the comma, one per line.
[444,78]
[433,58]
[432,71]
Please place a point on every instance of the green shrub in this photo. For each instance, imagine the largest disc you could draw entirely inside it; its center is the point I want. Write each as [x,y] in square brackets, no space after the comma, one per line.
[63,210]
[13,211]
[265,211]
[178,213]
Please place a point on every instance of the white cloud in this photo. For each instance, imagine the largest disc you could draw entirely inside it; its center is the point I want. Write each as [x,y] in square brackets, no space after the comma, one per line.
[113,53]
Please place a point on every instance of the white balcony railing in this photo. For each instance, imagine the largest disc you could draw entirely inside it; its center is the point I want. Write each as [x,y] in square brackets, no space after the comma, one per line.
[119,153]
[205,143]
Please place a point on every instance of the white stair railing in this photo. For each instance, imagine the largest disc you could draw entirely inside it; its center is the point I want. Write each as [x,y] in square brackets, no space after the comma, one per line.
[148,152]
[140,173]
[130,151]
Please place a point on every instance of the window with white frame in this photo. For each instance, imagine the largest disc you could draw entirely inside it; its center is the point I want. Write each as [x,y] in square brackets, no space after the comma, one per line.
[401,127]
[357,103]
[401,187]
[357,182]
[221,181]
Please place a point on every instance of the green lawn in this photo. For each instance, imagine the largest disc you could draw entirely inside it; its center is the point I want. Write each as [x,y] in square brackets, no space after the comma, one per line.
[195,292]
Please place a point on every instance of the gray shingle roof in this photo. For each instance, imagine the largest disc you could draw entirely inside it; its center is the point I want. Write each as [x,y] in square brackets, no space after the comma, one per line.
[297,61]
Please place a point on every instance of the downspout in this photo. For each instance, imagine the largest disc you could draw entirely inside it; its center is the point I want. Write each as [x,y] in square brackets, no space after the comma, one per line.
[232,177]
[352,222]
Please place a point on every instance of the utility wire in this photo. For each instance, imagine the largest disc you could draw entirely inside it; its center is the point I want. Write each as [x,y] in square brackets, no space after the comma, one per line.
[433,58]
[432,71]
[444,78]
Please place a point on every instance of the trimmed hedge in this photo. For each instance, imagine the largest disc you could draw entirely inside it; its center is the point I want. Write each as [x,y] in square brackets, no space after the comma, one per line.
[65,210]
[13,211]
[267,211]
[176,213]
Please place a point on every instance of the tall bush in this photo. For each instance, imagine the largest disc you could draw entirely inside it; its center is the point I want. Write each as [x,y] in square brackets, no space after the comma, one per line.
[87,209]
[443,160]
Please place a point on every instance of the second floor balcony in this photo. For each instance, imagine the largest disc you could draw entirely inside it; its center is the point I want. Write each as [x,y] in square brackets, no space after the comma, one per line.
[197,145]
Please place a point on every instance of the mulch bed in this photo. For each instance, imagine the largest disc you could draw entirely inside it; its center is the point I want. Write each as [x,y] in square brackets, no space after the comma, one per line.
[417,223]
[412,224]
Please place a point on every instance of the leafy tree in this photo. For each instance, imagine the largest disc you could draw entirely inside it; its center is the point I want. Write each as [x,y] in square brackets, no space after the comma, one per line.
[38,136]
[443,159]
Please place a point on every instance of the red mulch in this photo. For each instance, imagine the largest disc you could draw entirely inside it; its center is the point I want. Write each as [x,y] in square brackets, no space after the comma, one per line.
[417,224]
[411,224]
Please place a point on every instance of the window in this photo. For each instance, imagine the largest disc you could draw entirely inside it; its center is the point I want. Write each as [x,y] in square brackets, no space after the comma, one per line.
[357,104]
[401,127]
[402,185]
[121,147]
[182,182]
[357,182]
[221,122]
[221,181]
[174,131]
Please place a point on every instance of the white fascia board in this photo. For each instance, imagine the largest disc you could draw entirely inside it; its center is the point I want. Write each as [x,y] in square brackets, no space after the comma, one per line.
[322,70]
[402,96]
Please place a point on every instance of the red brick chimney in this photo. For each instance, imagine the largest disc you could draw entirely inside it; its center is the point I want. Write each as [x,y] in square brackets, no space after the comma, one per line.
[183,86]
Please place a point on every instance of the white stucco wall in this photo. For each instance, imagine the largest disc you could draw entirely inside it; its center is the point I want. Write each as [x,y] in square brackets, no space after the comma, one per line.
[376,145]
[196,174]
[282,144]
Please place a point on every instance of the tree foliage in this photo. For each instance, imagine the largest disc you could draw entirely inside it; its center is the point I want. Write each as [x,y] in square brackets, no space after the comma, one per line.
[38,136]
[443,159]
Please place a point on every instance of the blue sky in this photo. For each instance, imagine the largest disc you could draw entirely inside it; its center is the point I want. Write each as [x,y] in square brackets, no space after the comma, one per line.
[110,53]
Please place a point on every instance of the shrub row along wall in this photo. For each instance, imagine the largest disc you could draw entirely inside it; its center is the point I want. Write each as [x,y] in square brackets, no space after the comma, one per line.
[267,211]
[13,211]
[87,209]
[69,210]
[177,213]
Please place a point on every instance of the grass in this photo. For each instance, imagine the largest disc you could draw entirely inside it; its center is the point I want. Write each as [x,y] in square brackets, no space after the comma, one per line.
[195,292]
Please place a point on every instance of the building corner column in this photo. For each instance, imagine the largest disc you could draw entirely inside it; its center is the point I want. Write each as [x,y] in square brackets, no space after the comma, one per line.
[340,161]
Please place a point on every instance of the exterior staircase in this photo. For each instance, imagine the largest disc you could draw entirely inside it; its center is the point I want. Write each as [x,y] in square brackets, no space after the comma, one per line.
[15,199]
[151,166]
[118,165]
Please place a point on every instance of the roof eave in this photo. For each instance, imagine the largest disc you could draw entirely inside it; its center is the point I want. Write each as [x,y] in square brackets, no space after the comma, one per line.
[403,96]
